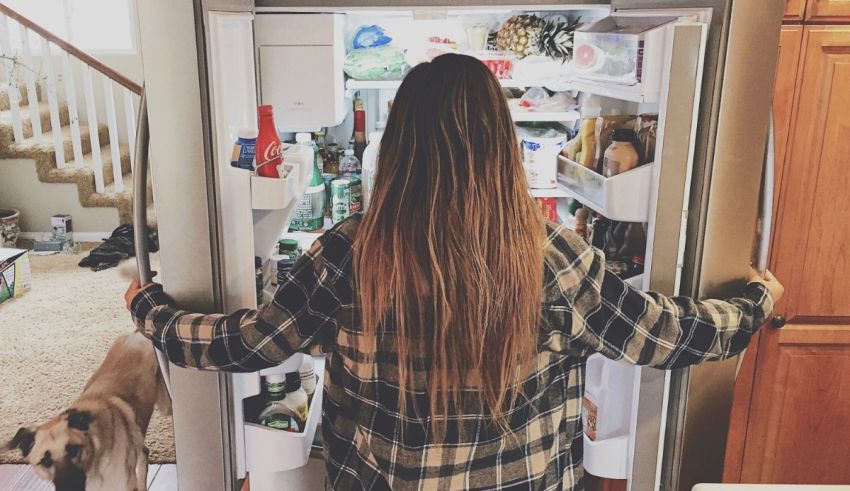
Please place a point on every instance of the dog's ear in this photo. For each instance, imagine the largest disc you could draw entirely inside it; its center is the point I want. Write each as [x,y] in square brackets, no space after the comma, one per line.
[79,420]
[23,440]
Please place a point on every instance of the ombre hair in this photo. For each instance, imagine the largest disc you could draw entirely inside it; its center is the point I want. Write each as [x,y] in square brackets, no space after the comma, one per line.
[451,248]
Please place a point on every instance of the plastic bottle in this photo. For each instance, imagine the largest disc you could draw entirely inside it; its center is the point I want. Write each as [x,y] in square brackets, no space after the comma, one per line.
[349,164]
[244,149]
[269,151]
[276,414]
[349,168]
[309,213]
[259,278]
[308,376]
[621,155]
[296,399]
[359,135]
[369,165]
[590,110]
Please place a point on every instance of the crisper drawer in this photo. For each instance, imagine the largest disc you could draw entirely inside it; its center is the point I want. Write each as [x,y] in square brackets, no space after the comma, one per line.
[268,451]
[624,197]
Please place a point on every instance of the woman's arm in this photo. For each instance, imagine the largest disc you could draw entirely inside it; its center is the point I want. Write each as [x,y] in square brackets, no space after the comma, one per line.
[612,318]
[300,317]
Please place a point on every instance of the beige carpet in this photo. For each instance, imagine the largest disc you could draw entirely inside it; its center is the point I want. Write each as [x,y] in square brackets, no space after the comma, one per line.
[53,338]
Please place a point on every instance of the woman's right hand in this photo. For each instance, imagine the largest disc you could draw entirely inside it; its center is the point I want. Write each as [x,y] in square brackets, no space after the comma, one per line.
[769,281]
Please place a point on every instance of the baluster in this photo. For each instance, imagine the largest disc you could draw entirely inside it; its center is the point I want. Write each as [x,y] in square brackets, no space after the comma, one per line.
[12,88]
[91,115]
[130,114]
[55,120]
[32,91]
[114,146]
[73,114]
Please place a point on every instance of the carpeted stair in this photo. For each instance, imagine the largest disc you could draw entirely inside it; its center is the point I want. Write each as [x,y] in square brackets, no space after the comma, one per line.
[41,150]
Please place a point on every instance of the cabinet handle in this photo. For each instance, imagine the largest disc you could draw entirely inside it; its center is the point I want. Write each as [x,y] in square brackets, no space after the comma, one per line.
[778,322]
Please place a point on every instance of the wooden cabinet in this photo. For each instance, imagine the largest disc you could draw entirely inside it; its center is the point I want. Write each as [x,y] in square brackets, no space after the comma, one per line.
[797,413]
[828,10]
[790,43]
[795,10]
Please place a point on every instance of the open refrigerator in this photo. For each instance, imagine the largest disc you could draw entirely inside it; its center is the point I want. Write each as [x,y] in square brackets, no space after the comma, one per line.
[706,69]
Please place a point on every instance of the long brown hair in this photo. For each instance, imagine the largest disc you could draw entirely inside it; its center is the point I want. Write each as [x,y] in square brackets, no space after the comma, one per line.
[451,250]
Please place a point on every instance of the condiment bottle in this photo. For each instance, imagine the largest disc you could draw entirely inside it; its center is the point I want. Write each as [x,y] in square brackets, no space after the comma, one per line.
[308,376]
[621,155]
[275,414]
[581,223]
[296,399]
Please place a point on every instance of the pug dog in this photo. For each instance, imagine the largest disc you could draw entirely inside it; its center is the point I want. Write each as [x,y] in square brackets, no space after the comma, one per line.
[98,443]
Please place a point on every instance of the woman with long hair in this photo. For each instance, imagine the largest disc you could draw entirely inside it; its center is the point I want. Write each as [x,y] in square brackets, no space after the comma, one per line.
[455,320]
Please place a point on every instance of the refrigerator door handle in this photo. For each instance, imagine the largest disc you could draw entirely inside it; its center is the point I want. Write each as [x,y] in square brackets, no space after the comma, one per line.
[766,212]
[140,215]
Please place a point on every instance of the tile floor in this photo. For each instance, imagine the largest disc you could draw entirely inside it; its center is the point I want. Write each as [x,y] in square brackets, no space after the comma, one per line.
[22,478]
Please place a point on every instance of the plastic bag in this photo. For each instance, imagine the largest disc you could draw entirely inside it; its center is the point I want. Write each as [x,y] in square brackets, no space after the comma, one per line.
[384,63]
[370,37]
[537,99]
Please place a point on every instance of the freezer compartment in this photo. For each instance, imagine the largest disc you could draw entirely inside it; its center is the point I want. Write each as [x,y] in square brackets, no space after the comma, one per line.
[624,197]
[267,450]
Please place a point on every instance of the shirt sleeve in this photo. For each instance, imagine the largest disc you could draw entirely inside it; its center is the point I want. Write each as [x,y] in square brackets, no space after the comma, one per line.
[608,316]
[299,318]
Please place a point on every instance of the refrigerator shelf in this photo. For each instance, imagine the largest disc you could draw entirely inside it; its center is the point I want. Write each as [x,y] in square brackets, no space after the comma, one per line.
[559,117]
[624,197]
[556,192]
[640,93]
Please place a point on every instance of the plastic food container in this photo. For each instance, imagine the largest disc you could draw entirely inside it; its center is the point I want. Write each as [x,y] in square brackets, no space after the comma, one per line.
[540,149]
[501,63]
[615,49]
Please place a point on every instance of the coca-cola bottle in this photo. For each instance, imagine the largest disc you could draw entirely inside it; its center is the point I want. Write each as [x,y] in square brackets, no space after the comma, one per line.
[269,149]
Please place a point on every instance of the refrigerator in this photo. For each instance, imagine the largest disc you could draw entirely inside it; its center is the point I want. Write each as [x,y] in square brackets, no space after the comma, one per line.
[708,73]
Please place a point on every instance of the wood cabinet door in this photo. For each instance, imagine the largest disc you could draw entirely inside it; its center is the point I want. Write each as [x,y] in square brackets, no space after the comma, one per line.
[787,70]
[828,10]
[799,417]
[795,10]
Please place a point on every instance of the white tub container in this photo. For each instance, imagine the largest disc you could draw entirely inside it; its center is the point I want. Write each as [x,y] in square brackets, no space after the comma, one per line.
[540,149]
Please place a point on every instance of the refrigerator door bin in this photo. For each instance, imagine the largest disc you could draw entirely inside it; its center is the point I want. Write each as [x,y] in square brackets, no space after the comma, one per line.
[268,193]
[269,451]
[607,458]
[624,197]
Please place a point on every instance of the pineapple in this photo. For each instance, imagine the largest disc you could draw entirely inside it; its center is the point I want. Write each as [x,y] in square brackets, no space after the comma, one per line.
[530,35]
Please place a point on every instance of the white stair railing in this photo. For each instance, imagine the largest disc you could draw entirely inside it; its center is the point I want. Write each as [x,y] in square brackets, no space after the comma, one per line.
[18,60]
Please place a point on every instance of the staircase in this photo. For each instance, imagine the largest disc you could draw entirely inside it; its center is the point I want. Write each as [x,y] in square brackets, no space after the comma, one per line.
[38,122]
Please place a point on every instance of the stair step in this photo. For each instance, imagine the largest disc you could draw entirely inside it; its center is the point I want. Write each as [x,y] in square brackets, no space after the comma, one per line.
[44,113]
[106,164]
[45,143]
[4,96]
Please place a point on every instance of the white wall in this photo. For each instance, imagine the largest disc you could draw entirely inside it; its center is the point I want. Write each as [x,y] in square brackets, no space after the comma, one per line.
[38,201]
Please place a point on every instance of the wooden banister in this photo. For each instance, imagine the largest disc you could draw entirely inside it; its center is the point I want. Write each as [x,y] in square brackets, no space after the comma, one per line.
[73,50]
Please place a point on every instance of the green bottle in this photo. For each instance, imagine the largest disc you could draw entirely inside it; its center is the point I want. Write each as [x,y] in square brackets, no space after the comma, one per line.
[309,213]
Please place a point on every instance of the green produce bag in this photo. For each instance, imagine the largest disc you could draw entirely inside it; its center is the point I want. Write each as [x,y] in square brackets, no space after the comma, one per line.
[383,63]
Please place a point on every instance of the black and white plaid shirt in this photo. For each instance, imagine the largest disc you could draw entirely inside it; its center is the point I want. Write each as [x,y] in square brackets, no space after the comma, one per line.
[369,446]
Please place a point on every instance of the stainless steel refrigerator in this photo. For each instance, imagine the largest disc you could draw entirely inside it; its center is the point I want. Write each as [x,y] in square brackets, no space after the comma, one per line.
[711,81]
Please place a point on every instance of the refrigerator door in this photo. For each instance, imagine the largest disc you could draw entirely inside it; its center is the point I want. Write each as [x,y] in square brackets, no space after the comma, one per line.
[185,195]
[720,221]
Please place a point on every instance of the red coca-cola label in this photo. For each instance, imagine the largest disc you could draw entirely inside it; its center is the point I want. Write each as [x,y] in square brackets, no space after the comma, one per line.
[269,148]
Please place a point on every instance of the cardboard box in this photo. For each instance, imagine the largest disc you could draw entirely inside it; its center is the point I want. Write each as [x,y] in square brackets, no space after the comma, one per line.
[15,274]
[62,228]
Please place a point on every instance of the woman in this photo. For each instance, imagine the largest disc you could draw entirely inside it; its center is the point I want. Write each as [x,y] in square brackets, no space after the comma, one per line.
[456,321]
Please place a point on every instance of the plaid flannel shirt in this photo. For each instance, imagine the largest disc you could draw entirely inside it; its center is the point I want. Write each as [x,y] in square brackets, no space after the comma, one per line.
[368,445]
